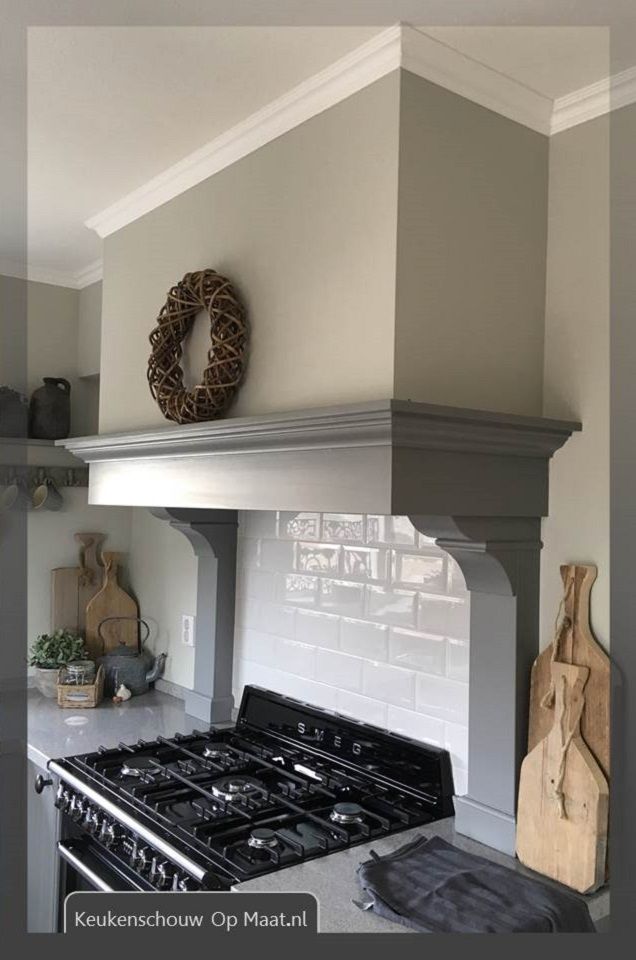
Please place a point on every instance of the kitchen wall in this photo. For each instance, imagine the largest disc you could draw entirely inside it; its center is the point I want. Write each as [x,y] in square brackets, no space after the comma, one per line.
[576,384]
[51,543]
[163,573]
[306,228]
[90,330]
[472,213]
[359,614]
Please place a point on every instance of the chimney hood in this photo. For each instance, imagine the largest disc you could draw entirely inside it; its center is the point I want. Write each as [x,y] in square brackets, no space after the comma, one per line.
[386,457]
[476,482]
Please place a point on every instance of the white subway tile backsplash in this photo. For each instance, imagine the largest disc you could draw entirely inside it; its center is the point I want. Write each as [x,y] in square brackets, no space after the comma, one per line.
[343,527]
[418,570]
[364,563]
[390,530]
[392,606]
[417,651]
[439,697]
[257,584]
[362,708]
[298,526]
[391,684]
[297,590]
[257,523]
[295,657]
[339,669]
[458,656]
[361,638]
[256,646]
[446,616]
[416,725]
[278,619]
[277,555]
[248,612]
[460,780]
[319,629]
[456,742]
[339,596]
[317,558]
[357,614]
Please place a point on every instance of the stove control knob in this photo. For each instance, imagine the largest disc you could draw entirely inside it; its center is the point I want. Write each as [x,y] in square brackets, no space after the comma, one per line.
[140,858]
[62,797]
[160,873]
[77,807]
[93,821]
[110,834]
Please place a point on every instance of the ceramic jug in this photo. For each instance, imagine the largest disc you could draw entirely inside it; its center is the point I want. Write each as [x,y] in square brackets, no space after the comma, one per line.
[50,411]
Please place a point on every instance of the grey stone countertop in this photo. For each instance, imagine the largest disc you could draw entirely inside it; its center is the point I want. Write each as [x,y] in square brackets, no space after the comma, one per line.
[54,732]
[333,880]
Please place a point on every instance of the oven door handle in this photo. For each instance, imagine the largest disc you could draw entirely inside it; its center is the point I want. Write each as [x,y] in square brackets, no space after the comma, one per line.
[78,864]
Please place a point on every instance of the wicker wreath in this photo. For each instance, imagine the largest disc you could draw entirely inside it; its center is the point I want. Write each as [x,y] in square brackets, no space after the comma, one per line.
[203,290]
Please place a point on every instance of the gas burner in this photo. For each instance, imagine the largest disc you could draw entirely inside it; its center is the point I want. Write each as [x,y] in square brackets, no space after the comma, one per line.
[215,751]
[262,838]
[347,813]
[137,767]
[232,788]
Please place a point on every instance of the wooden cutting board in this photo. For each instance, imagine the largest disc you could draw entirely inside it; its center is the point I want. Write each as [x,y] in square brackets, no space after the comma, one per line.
[563,803]
[575,644]
[111,601]
[73,587]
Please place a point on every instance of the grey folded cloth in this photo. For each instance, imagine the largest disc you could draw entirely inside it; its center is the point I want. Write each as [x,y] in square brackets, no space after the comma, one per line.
[434,887]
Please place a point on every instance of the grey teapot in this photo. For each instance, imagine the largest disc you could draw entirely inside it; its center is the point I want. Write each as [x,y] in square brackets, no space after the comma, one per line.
[136,669]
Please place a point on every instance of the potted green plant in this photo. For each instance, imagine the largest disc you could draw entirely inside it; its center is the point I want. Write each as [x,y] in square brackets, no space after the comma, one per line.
[49,652]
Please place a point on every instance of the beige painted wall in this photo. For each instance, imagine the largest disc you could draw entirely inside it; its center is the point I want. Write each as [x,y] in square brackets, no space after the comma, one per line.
[306,228]
[163,575]
[471,254]
[51,544]
[90,327]
[577,365]
[53,323]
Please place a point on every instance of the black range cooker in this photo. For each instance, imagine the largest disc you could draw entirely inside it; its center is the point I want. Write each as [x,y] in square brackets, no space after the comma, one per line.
[287,783]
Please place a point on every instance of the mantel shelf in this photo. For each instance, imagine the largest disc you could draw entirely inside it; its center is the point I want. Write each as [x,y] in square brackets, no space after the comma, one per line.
[22,451]
[386,456]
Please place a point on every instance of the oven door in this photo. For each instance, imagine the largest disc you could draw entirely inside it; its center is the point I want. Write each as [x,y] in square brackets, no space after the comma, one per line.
[85,866]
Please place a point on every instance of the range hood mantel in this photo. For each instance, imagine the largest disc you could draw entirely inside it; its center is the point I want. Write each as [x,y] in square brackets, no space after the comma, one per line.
[386,456]
[476,482]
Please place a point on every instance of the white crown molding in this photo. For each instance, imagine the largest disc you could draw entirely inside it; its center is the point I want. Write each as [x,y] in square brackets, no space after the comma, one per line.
[398,46]
[435,61]
[92,273]
[57,278]
[367,63]
[593,101]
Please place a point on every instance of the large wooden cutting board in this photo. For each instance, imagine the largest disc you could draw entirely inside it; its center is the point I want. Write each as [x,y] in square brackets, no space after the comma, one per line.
[73,587]
[111,602]
[576,644]
[563,804]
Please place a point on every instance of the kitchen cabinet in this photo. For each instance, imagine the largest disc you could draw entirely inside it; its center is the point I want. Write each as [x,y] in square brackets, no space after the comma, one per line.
[43,821]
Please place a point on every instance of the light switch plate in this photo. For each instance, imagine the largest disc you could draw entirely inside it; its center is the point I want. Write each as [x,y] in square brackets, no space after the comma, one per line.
[187,629]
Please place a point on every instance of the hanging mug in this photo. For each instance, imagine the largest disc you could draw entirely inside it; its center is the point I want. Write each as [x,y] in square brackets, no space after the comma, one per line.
[46,496]
[15,496]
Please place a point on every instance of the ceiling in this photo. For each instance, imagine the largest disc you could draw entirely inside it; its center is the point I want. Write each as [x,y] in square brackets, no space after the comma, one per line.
[111,107]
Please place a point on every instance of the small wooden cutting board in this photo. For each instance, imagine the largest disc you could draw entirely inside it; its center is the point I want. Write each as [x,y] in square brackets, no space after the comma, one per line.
[563,804]
[576,644]
[73,587]
[111,601]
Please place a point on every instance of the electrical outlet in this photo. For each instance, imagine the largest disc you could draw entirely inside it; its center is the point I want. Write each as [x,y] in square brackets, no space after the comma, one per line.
[187,630]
